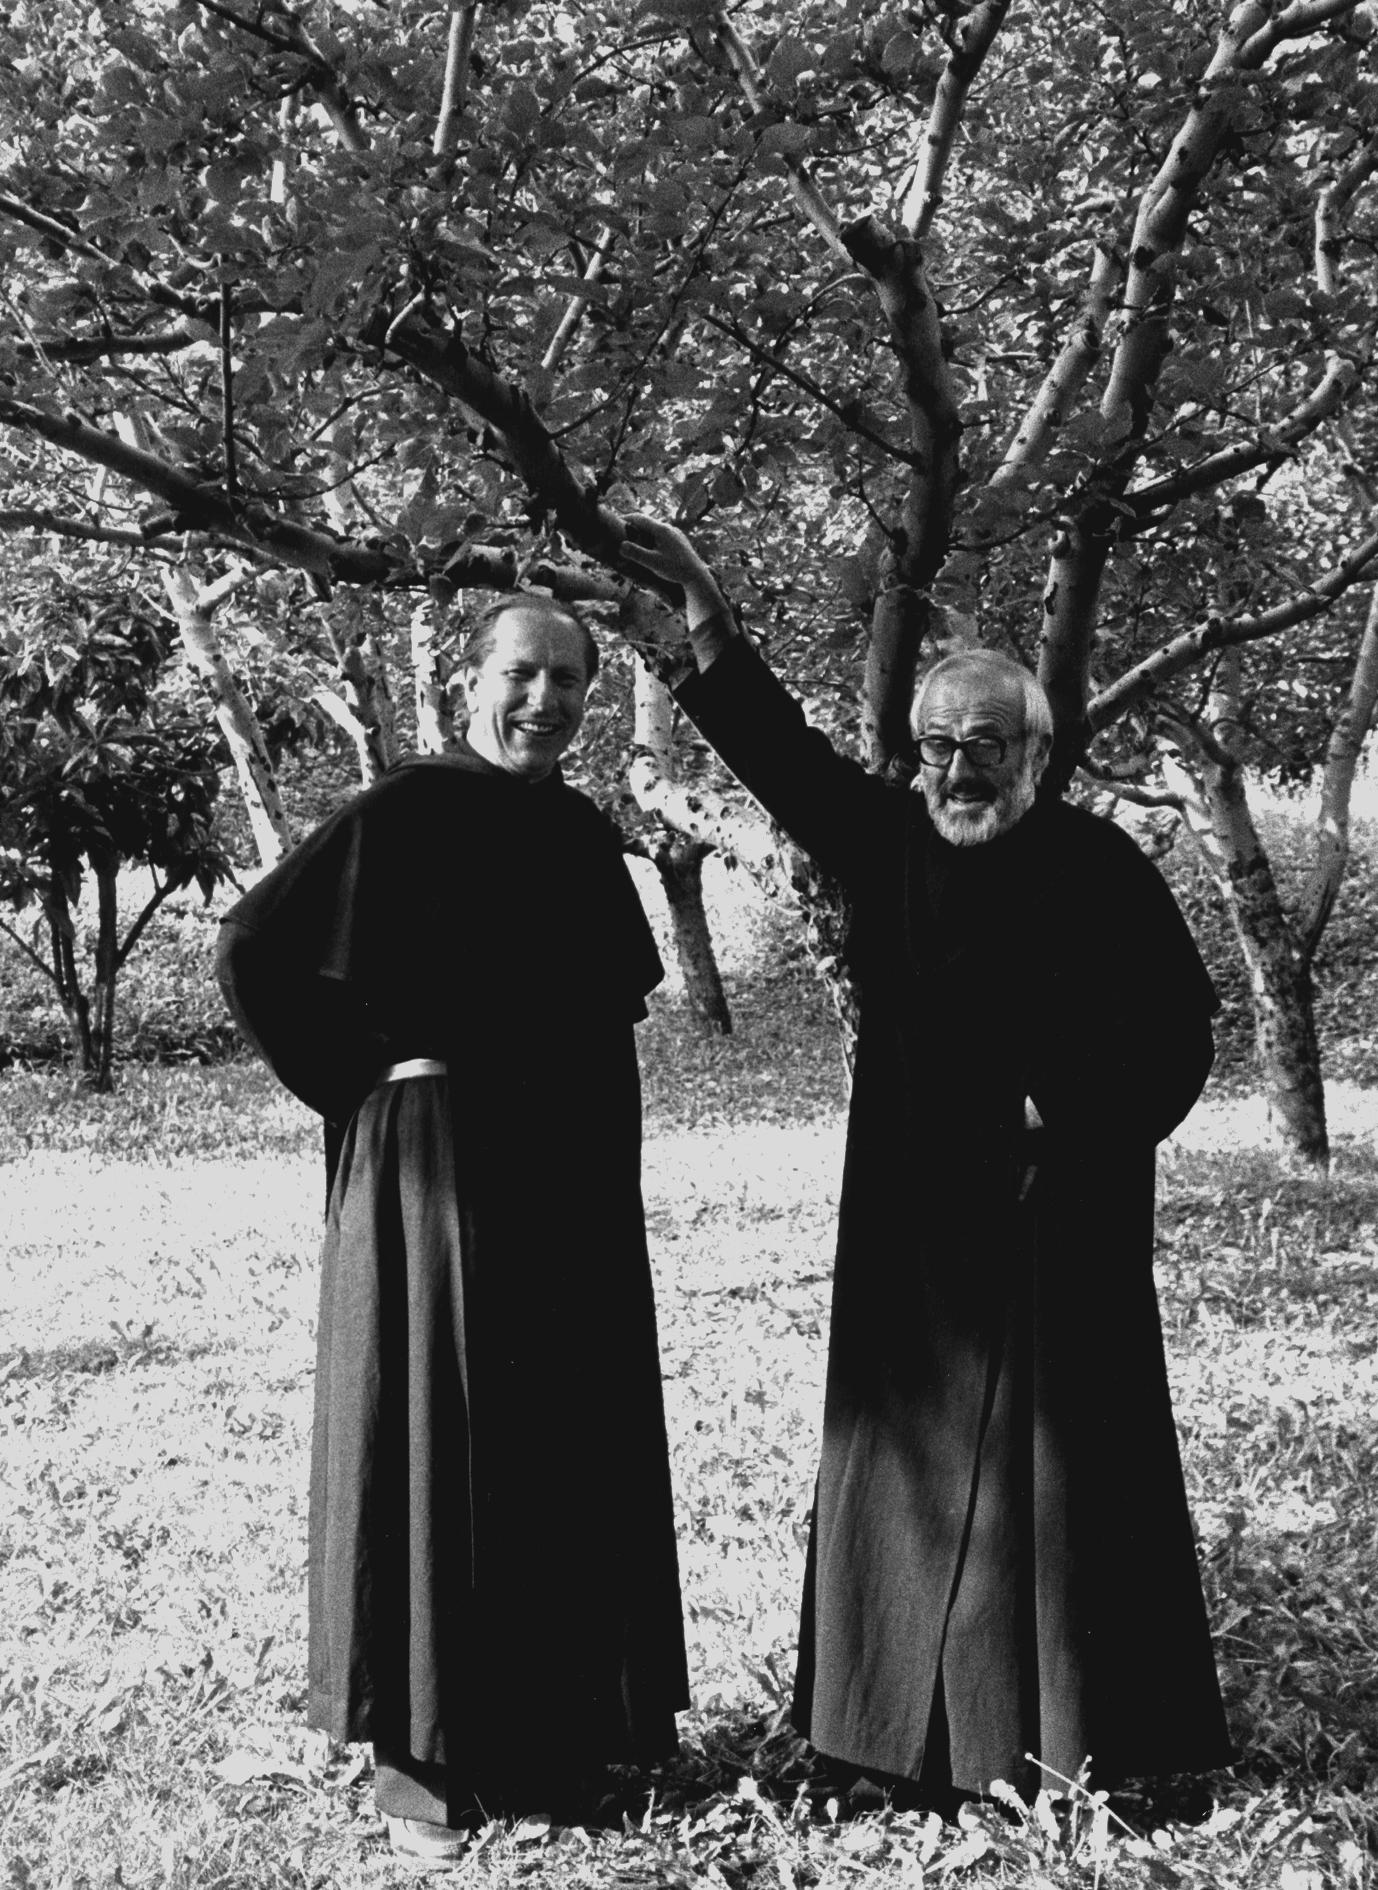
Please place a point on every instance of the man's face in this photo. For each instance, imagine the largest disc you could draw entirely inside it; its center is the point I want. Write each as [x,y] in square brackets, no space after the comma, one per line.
[526,698]
[971,803]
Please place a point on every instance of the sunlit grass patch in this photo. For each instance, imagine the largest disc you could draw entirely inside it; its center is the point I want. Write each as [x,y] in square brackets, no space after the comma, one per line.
[155,1370]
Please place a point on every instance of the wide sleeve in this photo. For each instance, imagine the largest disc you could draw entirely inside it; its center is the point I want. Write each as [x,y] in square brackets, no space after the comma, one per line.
[314,1031]
[825,802]
[296,963]
[1125,1043]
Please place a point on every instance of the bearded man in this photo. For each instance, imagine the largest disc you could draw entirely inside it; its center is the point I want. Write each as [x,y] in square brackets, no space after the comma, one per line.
[1001,1566]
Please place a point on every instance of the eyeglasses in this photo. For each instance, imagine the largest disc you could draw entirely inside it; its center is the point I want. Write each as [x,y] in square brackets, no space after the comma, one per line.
[982,751]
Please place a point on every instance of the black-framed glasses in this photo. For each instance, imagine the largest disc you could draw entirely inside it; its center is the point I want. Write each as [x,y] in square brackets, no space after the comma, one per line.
[982,751]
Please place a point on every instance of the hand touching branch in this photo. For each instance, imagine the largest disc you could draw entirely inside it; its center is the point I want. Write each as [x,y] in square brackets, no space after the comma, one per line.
[662,552]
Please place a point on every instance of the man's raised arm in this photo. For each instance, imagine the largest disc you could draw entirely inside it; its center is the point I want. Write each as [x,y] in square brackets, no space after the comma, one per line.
[823,801]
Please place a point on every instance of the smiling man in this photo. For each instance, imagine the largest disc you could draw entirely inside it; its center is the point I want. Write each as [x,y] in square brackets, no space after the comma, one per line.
[526,676]
[1000,1559]
[449,971]
[983,733]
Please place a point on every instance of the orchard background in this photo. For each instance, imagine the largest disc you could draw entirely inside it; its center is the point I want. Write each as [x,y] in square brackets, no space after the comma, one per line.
[1049,327]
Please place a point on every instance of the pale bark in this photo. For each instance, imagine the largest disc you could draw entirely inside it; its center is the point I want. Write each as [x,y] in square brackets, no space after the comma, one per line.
[807,194]
[679,865]
[676,854]
[365,710]
[971,39]
[694,811]
[781,870]
[193,605]
[1140,338]
[1182,652]
[459,45]
[1337,787]
[1210,782]
[577,306]
[1052,403]
[435,720]
[903,613]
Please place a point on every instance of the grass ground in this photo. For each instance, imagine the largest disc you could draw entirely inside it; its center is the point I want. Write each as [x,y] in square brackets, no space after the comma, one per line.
[158,1285]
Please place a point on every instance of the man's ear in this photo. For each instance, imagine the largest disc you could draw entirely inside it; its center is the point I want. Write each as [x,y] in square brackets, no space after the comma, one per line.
[1039,759]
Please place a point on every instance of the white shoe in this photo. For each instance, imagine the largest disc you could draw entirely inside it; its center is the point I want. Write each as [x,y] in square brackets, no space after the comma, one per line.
[429,1846]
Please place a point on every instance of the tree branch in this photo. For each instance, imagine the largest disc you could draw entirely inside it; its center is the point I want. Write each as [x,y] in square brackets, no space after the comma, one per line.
[1342,753]
[896,268]
[459,46]
[77,350]
[199,507]
[1131,791]
[320,74]
[1079,354]
[137,928]
[42,964]
[577,305]
[1219,633]
[807,194]
[40,519]
[69,239]
[806,385]
[1323,403]
[458,371]
[975,35]
[1142,341]
[1334,199]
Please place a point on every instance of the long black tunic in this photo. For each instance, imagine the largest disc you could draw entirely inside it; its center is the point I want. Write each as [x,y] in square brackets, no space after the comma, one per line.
[493,1577]
[1000,1521]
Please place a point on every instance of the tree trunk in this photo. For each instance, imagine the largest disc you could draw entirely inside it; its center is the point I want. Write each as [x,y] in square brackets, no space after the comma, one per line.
[434,715]
[365,710]
[826,917]
[1337,785]
[100,1074]
[66,979]
[680,866]
[1218,818]
[253,765]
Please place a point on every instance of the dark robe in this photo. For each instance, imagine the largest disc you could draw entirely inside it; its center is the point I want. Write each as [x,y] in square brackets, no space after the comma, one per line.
[493,1578]
[1001,1530]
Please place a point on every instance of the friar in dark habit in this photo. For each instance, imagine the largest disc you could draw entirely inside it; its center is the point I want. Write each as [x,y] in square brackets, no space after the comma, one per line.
[449,971]
[1001,1561]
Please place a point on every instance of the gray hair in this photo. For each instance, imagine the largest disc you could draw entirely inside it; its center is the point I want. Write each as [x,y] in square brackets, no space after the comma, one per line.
[1038,714]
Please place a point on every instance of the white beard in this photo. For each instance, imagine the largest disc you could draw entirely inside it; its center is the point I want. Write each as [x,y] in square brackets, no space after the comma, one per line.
[971,824]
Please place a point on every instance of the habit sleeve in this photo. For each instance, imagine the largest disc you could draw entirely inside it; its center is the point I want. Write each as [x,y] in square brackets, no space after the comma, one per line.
[822,800]
[1124,1043]
[293,962]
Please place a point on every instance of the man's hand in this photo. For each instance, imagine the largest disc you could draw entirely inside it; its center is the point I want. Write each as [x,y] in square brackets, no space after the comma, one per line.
[1033,1136]
[663,552]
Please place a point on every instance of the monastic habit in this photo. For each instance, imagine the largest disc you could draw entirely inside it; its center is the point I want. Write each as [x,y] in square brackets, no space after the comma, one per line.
[1001,1560]
[493,1579]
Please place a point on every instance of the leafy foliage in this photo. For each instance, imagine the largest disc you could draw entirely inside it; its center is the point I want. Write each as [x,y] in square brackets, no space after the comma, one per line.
[98,772]
[1055,323]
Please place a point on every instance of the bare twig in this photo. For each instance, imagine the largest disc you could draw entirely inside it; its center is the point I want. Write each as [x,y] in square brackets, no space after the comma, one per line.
[227,388]
[578,304]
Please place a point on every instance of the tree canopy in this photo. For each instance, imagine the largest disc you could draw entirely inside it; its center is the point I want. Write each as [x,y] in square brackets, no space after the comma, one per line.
[1050,325]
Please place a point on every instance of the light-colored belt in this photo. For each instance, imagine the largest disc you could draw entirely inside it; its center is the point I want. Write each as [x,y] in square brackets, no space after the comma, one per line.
[411,1066]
